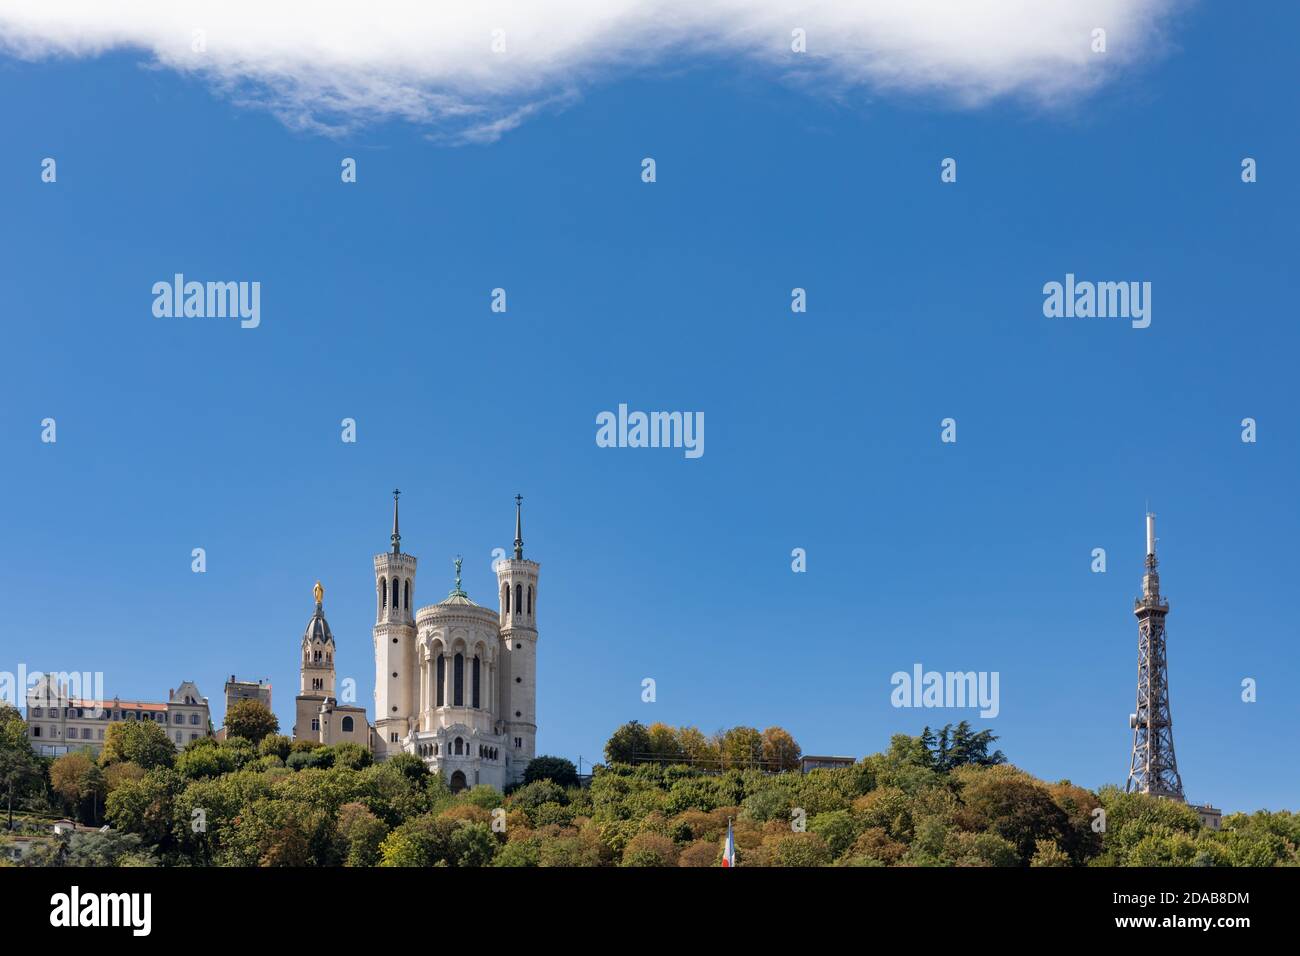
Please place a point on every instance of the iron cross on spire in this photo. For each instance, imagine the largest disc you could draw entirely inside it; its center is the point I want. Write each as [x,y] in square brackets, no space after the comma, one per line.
[397,535]
[519,533]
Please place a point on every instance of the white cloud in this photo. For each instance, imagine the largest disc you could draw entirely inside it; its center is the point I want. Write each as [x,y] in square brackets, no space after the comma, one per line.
[331,64]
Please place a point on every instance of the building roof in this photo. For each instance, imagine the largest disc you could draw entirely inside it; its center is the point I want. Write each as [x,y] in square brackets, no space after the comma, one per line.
[318,629]
[116,704]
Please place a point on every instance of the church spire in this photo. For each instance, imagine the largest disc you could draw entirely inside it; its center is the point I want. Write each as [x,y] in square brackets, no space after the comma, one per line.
[397,535]
[519,533]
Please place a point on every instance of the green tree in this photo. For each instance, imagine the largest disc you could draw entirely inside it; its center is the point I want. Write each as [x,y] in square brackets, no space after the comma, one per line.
[629,744]
[360,833]
[251,719]
[20,768]
[799,849]
[423,841]
[275,745]
[144,806]
[555,769]
[142,742]
[472,844]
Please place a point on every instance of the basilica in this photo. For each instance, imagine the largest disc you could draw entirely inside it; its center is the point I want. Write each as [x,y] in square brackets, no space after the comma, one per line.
[455,682]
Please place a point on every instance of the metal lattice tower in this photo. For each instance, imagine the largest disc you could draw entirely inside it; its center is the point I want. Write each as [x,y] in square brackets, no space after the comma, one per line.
[1153,768]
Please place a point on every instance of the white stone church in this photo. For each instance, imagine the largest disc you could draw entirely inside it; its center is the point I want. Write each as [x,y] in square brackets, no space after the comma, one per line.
[455,682]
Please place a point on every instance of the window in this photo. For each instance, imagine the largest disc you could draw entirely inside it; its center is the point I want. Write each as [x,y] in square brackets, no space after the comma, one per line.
[392,737]
[36,712]
[383,589]
[458,681]
[519,598]
[179,719]
[85,733]
[406,598]
[507,599]
[347,725]
[459,746]
[530,599]
[194,718]
[194,736]
[395,583]
[519,743]
[442,680]
[315,723]
[475,674]
[36,731]
[180,737]
[101,735]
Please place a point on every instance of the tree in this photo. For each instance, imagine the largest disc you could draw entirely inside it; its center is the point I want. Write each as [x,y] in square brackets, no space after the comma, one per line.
[650,849]
[423,841]
[350,755]
[251,719]
[275,745]
[741,747]
[697,749]
[19,765]
[664,745]
[76,778]
[555,769]
[145,806]
[959,746]
[629,744]
[799,849]
[780,752]
[360,833]
[142,742]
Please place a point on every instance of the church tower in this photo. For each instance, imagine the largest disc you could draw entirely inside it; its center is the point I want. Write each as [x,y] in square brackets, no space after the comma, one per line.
[394,635]
[317,672]
[517,592]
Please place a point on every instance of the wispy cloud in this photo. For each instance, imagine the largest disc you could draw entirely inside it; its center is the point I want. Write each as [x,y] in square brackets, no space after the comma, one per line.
[333,64]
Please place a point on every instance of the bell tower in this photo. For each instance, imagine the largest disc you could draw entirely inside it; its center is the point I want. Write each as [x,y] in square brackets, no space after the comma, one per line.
[517,593]
[394,637]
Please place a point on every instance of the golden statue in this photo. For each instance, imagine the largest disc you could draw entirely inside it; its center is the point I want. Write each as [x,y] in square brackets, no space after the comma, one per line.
[318,591]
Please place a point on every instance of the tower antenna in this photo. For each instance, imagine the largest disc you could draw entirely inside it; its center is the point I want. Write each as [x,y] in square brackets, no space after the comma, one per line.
[1153,769]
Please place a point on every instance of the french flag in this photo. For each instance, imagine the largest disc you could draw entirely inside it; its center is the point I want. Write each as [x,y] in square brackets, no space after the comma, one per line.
[729,848]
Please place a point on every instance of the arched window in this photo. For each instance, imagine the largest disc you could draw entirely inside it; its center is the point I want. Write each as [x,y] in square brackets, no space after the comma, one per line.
[519,598]
[506,598]
[395,588]
[406,599]
[459,746]
[458,682]
[475,675]
[383,587]
[347,725]
[530,600]
[442,680]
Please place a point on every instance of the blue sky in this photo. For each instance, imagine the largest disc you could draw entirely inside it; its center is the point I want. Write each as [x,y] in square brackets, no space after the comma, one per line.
[822,429]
